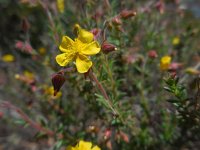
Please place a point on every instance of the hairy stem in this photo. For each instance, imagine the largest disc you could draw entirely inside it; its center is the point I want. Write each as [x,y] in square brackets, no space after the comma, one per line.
[105,95]
[27,119]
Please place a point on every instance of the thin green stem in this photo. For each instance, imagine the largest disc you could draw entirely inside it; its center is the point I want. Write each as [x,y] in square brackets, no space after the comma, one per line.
[110,74]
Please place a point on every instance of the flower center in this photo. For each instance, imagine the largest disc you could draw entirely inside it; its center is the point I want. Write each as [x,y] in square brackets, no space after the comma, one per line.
[79,45]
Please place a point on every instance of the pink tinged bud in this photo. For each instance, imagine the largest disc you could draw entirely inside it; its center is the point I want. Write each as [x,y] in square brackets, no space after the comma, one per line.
[116,21]
[57,80]
[28,48]
[152,54]
[107,134]
[124,137]
[96,32]
[125,14]
[108,47]
[175,66]
[24,47]
[19,45]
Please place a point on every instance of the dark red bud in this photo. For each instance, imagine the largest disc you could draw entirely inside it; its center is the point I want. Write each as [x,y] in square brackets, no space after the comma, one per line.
[25,25]
[107,47]
[58,80]
[125,14]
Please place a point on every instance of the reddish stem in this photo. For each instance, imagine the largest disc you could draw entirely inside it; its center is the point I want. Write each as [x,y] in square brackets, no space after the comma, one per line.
[103,91]
[26,118]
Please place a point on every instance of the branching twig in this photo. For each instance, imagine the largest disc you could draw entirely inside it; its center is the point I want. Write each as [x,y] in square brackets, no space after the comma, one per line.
[35,125]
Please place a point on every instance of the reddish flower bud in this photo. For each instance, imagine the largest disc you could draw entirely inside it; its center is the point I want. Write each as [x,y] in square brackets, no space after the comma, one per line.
[152,54]
[58,80]
[175,66]
[24,47]
[19,45]
[28,48]
[107,134]
[116,21]
[1,114]
[96,32]
[125,14]
[107,47]
[124,136]
[160,6]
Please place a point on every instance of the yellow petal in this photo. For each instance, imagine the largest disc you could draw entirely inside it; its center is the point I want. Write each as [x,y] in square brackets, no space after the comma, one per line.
[83,64]
[96,148]
[66,44]
[91,49]
[85,145]
[64,59]
[70,148]
[85,36]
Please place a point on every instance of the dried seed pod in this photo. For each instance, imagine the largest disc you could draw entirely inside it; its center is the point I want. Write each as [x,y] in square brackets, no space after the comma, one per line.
[125,14]
[25,25]
[58,80]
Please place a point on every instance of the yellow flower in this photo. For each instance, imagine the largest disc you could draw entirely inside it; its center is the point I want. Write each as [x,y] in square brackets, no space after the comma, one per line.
[176,41]
[165,62]
[50,92]
[61,5]
[29,74]
[42,50]
[8,58]
[83,145]
[79,50]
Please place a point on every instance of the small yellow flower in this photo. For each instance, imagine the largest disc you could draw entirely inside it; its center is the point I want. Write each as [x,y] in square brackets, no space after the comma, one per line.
[42,50]
[83,145]
[61,5]
[176,41]
[50,92]
[165,62]
[29,74]
[79,50]
[8,58]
